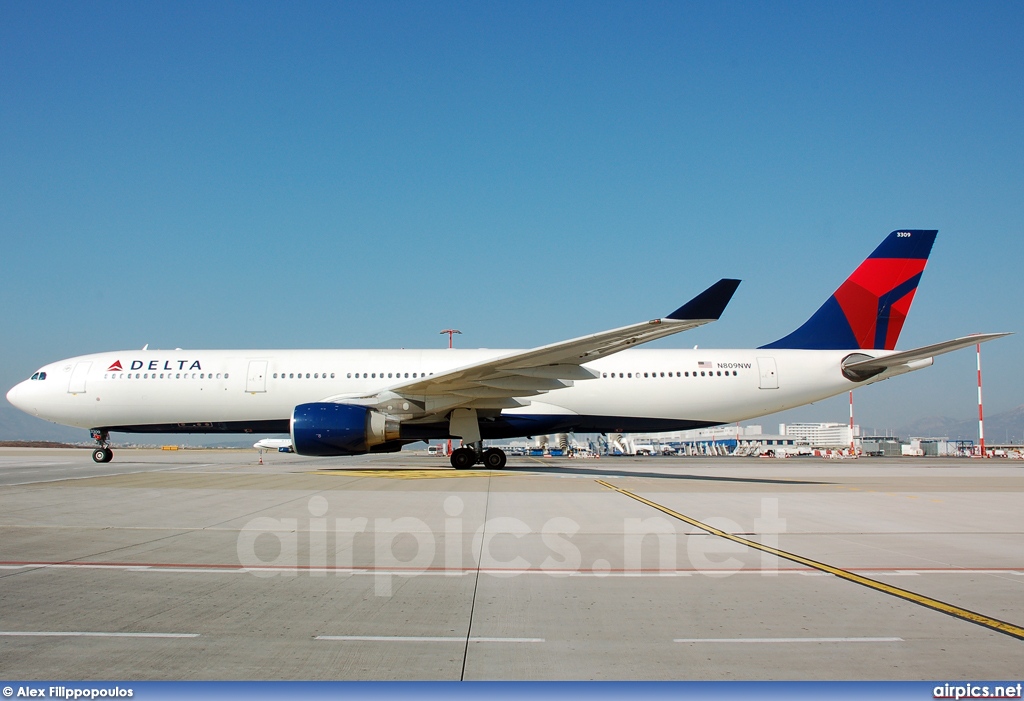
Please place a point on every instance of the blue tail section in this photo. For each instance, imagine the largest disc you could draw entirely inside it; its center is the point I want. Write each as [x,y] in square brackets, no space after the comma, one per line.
[868,310]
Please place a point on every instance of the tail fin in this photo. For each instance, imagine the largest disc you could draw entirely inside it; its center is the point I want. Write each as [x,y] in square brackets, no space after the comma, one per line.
[868,310]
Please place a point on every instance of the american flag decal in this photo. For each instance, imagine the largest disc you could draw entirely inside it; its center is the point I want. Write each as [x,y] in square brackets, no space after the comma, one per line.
[703,364]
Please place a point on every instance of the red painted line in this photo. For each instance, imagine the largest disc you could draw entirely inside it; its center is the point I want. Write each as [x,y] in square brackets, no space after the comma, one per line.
[371,568]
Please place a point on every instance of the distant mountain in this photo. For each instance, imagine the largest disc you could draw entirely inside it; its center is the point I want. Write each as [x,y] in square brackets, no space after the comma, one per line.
[1007,426]
[16,425]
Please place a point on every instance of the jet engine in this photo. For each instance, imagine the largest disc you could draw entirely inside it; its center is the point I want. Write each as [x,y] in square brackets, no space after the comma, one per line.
[327,429]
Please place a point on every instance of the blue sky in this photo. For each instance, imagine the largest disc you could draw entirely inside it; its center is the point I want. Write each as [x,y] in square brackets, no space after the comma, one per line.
[227,175]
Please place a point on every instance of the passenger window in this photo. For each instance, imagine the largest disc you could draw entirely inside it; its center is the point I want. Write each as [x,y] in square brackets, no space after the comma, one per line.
[629,375]
[702,373]
[332,375]
[316,376]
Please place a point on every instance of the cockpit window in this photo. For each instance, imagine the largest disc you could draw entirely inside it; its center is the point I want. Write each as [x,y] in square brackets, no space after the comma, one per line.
[38,376]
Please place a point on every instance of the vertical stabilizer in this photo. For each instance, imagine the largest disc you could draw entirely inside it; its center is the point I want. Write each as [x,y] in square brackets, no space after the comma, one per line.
[868,310]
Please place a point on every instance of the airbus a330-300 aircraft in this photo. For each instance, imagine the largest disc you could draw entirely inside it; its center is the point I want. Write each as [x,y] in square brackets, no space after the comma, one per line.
[349,402]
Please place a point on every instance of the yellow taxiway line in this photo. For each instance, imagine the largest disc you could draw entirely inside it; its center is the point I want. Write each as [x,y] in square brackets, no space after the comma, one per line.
[926,601]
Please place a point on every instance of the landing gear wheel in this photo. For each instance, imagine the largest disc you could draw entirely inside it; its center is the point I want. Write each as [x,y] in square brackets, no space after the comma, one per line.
[495,458]
[463,458]
[102,455]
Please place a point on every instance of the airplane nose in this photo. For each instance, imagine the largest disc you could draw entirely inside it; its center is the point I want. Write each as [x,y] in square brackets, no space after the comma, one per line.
[12,396]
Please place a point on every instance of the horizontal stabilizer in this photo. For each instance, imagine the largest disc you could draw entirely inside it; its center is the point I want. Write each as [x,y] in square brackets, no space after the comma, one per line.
[863,369]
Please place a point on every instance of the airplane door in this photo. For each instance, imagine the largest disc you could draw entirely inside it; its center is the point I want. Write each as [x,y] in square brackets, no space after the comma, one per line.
[257,378]
[769,373]
[78,375]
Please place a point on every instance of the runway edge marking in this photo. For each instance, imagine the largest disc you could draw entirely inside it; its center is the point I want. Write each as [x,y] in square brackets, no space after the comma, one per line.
[913,597]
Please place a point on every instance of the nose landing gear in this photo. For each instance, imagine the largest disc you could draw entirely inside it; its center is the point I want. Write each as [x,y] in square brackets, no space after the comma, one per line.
[103,453]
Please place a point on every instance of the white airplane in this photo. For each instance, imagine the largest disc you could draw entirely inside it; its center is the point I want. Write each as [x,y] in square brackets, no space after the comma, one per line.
[349,402]
[281,445]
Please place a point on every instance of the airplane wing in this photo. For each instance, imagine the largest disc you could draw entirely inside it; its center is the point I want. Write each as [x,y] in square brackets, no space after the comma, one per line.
[498,382]
[863,368]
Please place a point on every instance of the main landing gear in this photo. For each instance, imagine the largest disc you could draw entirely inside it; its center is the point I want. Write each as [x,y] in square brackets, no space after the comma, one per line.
[465,458]
[465,424]
[103,453]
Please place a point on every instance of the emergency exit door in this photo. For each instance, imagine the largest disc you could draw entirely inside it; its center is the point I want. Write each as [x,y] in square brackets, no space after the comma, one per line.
[256,381]
[769,373]
[78,376]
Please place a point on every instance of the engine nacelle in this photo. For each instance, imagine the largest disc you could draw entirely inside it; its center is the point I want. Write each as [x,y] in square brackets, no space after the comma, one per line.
[326,429]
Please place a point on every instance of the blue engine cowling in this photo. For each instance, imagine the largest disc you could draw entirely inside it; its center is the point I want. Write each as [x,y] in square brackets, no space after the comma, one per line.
[326,429]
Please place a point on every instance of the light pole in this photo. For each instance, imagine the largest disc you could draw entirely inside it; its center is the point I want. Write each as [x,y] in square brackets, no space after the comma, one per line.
[451,333]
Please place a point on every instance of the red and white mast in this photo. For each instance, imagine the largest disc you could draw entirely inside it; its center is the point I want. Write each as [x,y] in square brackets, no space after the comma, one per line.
[981,414]
[853,449]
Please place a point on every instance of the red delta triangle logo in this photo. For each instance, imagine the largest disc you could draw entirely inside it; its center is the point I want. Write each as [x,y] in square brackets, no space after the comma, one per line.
[115,366]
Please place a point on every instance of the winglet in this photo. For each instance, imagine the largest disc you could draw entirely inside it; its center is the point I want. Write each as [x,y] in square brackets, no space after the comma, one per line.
[709,304]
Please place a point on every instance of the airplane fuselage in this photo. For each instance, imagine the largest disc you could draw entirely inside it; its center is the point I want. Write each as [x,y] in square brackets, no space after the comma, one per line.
[255,391]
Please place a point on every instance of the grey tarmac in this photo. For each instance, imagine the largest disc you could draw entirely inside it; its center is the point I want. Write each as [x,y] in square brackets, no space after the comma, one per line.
[204,564]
